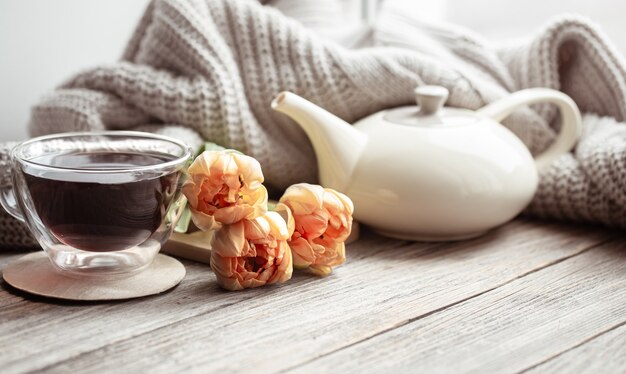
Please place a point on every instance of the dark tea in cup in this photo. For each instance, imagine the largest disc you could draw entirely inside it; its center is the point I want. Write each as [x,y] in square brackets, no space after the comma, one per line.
[101,203]
[101,214]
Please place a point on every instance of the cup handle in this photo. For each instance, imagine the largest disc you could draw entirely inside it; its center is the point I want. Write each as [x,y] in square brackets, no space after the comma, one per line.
[571,127]
[8,200]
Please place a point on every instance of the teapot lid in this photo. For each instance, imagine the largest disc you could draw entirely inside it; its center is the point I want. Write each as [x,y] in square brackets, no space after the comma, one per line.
[430,111]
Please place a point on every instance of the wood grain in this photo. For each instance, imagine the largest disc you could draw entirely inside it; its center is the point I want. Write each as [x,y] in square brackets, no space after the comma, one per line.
[605,353]
[198,327]
[7,298]
[511,328]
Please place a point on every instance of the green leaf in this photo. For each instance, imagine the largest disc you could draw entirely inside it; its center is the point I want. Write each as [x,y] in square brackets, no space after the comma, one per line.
[183,222]
[210,146]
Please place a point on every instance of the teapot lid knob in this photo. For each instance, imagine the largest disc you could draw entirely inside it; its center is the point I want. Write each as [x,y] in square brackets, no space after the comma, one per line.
[430,99]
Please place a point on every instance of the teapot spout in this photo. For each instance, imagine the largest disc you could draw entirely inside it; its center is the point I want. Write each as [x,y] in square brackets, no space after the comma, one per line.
[338,145]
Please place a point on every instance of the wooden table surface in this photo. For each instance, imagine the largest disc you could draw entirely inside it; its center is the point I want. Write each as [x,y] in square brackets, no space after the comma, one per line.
[530,296]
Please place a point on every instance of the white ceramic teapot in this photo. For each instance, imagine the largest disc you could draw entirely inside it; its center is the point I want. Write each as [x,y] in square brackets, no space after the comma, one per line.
[431,173]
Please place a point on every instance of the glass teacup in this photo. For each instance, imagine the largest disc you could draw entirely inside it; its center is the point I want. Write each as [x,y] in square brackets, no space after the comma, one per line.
[99,203]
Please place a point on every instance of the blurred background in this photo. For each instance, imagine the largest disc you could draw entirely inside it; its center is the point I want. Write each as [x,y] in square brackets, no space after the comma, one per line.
[45,42]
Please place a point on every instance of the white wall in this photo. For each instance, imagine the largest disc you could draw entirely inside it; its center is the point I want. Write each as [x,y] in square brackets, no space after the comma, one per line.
[502,20]
[43,42]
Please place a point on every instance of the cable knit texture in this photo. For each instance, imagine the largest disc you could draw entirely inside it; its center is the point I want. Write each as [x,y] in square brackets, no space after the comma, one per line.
[209,69]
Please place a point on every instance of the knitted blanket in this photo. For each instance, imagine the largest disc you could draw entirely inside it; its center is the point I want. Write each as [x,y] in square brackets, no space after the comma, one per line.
[208,69]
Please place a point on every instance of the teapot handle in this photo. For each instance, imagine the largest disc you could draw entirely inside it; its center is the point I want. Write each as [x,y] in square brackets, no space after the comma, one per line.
[570,117]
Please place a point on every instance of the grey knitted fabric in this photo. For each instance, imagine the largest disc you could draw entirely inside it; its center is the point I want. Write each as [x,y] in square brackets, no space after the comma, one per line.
[211,67]
[12,232]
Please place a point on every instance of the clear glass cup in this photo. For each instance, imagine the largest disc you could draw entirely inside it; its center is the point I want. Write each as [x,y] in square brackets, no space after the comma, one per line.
[99,203]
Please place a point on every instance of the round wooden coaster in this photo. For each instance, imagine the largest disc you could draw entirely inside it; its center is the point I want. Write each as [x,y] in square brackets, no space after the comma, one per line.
[35,274]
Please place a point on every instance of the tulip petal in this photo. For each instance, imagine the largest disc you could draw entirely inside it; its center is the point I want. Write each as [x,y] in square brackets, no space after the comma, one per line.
[303,198]
[347,203]
[230,241]
[311,225]
[224,268]
[257,229]
[322,222]
[285,268]
[278,225]
[287,216]
[203,221]
[251,170]
[227,186]
[302,251]
[252,253]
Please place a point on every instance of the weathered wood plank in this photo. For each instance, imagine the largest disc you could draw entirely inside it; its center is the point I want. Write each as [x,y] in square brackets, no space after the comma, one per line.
[604,354]
[508,329]
[6,298]
[30,327]
[385,284]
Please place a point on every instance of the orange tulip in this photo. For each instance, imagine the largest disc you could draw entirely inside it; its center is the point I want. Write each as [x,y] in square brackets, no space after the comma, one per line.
[323,221]
[224,187]
[252,253]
